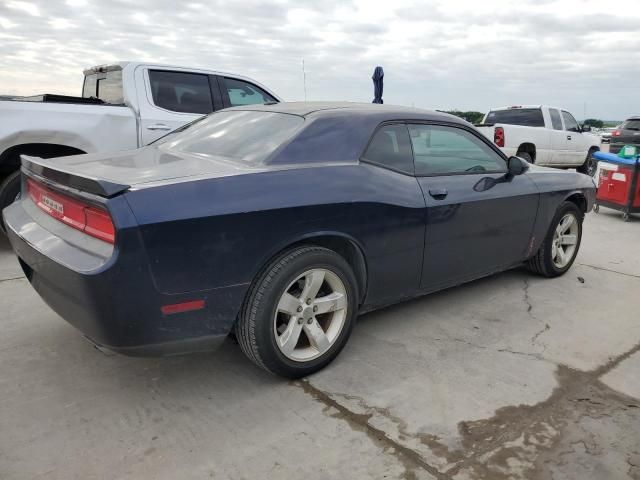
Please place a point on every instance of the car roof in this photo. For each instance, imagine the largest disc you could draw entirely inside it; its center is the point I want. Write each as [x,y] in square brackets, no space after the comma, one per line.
[382,112]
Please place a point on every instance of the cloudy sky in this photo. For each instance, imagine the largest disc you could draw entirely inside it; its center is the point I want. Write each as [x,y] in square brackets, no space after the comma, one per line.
[464,54]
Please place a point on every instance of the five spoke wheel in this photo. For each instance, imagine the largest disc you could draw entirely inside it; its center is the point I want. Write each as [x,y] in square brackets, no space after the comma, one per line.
[310,315]
[565,239]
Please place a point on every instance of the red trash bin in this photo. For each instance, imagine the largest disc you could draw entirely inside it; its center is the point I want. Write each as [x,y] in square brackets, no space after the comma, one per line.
[618,185]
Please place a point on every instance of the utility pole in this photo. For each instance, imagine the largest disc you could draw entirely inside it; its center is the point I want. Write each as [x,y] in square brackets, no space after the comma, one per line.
[304,81]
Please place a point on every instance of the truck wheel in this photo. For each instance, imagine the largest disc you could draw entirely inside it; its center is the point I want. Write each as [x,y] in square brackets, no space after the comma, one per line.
[590,165]
[9,193]
[561,244]
[525,156]
[299,312]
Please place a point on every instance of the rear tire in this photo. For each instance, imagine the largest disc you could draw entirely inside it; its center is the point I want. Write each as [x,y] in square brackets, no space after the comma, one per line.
[9,193]
[291,328]
[548,261]
[525,156]
[590,165]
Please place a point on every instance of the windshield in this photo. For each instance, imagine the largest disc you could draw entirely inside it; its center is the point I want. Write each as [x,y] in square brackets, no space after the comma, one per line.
[247,137]
[107,86]
[529,117]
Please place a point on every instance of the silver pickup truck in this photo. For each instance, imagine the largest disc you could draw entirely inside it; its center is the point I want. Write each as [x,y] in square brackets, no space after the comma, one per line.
[123,106]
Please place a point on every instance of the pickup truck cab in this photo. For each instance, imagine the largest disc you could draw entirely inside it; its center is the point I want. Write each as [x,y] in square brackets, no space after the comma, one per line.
[543,135]
[123,106]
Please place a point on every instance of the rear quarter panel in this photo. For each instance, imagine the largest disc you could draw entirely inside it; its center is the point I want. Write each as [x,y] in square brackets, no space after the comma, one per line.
[217,232]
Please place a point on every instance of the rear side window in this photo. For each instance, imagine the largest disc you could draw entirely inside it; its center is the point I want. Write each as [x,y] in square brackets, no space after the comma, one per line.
[107,86]
[631,125]
[246,137]
[181,92]
[440,150]
[556,121]
[570,123]
[529,117]
[244,93]
[391,147]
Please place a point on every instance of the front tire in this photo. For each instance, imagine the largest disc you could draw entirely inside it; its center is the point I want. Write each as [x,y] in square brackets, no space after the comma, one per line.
[9,193]
[299,313]
[561,244]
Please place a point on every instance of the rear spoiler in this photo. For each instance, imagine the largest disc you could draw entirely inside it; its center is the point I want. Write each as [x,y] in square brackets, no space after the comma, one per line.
[44,168]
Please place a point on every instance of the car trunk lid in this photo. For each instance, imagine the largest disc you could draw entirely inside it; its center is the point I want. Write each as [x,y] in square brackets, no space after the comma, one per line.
[111,175]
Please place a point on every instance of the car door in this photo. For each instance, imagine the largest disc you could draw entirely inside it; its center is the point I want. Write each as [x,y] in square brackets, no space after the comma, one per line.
[559,148]
[174,98]
[577,153]
[479,220]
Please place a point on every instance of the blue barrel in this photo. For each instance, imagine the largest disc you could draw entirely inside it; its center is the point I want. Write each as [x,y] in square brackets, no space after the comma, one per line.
[613,158]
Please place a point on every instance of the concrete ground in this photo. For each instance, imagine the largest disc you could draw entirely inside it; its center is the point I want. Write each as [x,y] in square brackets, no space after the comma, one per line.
[514,376]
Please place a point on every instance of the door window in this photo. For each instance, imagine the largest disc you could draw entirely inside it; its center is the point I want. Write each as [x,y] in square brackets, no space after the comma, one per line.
[570,123]
[390,147]
[556,121]
[244,93]
[440,150]
[181,92]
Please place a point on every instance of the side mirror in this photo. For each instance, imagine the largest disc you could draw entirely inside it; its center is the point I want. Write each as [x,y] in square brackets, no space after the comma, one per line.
[586,128]
[517,166]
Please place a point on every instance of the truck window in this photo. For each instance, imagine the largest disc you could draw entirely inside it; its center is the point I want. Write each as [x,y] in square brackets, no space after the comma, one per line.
[181,92]
[107,86]
[570,123]
[244,93]
[528,117]
[556,121]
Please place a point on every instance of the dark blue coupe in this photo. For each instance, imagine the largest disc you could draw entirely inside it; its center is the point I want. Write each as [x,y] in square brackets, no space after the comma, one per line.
[279,224]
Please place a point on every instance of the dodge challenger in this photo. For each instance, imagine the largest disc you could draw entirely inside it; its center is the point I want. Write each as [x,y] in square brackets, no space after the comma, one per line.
[279,224]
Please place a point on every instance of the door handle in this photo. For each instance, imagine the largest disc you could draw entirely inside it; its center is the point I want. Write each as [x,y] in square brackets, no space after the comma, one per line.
[438,193]
[568,137]
[158,126]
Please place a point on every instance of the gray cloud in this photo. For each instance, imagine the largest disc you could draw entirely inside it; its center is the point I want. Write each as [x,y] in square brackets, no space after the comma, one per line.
[438,54]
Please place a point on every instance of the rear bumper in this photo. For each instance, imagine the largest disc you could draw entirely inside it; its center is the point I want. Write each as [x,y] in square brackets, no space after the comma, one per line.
[113,300]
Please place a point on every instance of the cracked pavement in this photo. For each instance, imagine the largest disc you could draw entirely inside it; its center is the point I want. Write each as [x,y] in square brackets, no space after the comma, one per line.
[510,377]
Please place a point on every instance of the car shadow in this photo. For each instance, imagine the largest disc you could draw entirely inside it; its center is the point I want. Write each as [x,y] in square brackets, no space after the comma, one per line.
[227,367]
[4,243]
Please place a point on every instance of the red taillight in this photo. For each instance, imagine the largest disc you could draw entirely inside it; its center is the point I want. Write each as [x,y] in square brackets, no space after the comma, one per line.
[616,133]
[92,220]
[498,136]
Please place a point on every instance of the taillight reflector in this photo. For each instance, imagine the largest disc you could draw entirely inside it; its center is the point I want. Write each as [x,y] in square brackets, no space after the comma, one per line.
[498,136]
[182,307]
[92,220]
[616,133]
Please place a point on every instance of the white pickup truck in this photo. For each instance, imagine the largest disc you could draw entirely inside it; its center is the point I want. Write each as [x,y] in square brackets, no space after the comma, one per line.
[542,135]
[123,106]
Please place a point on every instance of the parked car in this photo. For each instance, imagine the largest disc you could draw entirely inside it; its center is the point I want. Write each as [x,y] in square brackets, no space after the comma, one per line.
[280,223]
[605,134]
[628,133]
[123,106]
[542,135]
